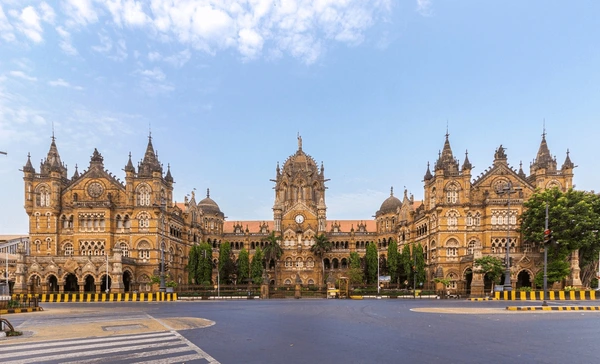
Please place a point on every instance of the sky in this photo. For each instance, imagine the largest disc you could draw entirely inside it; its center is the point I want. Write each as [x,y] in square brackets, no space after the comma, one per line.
[225,87]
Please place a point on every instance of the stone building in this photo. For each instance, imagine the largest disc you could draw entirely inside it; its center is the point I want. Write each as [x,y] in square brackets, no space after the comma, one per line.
[92,225]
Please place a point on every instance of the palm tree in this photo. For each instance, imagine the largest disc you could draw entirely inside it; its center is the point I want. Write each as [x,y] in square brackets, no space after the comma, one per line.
[322,245]
[272,250]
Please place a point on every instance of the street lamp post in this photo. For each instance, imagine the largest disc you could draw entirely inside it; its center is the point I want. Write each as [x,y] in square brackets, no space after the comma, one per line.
[378,284]
[544,303]
[507,190]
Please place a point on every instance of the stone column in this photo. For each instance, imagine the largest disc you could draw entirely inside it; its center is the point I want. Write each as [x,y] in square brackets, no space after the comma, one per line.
[61,287]
[20,278]
[574,279]
[116,285]
[298,287]
[477,285]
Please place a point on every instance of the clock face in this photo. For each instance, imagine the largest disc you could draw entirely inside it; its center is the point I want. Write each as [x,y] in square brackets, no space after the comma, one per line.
[95,189]
[299,219]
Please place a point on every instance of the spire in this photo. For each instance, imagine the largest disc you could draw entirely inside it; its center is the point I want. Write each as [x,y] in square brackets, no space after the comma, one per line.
[208,193]
[428,175]
[299,142]
[467,163]
[521,173]
[150,162]
[76,174]
[53,162]
[28,166]
[568,164]
[168,177]
[392,191]
[129,167]
[544,158]
[446,159]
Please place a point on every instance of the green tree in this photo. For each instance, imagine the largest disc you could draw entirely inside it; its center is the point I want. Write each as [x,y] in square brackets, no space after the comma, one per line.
[419,261]
[371,262]
[355,273]
[392,261]
[226,264]
[405,261]
[272,251]
[321,246]
[573,218]
[256,267]
[205,264]
[193,264]
[243,266]
[491,266]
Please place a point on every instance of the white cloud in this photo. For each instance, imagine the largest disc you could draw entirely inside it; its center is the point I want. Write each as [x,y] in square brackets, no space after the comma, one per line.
[424,7]
[116,52]
[65,43]
[155,74]
[30,24]
[153,81]
[6,29]
[22,75]
[62,83]
[154,56]
[47,12]
[80,12]
[179,59]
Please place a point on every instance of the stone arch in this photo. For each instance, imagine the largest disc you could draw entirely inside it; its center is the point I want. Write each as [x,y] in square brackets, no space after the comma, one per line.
[89,283]
[127,279]
[525,278]
[70,282]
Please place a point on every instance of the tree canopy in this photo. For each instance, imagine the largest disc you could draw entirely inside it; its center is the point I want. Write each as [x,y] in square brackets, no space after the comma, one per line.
[371,260]
[243,266]
[392,260]
[491,266]
[256,267]
[574,219]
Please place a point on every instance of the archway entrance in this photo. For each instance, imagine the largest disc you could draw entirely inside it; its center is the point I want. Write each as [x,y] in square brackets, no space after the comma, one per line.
[90,285]
[52,284]
[71,283]
[35,284]
[103,287]
[523,279]
[127,281]
[468,277]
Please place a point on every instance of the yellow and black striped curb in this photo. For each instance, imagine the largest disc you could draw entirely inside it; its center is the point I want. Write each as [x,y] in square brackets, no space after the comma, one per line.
[99,297]
[483,299]
[553,308]
[20,310]
[552,295]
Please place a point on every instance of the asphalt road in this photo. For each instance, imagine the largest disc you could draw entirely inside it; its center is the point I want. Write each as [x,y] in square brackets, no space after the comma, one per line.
[347,331]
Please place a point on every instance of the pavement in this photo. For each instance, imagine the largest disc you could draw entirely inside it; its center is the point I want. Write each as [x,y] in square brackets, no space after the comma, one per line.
[67,323]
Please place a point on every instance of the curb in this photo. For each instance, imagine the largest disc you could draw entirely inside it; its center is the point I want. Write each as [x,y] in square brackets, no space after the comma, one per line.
[482,299]
[99,297]
[552,296]
[215,298]
[553,308]
[21,310]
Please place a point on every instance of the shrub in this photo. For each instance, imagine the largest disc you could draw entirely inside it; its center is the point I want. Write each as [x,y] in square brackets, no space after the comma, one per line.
[525,289]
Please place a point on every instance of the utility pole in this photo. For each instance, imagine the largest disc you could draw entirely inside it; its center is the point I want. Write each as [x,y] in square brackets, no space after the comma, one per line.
[548,234]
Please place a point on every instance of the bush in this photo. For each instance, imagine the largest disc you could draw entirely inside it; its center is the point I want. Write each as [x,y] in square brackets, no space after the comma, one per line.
[14,304]
[525,289]
[571,288]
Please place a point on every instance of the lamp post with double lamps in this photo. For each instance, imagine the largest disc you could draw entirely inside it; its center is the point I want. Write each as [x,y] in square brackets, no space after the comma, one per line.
[508,190]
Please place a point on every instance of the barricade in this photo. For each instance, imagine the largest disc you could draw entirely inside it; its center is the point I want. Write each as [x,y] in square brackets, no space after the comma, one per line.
[552,296]
[100,297]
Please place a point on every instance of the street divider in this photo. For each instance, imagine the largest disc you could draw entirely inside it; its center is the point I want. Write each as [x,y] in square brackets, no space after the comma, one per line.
[552,295]
[100,297]
[553,308]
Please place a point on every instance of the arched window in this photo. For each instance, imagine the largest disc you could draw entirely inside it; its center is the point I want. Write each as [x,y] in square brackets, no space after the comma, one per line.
[471,246]
[452,246]
[299,262]
[477,219]
[469,219]
[453,278]
[143,195]
[124,249]
[288,262]
[68,248]
[452,217]
[143,221]
[43,196]
[452,194]
[144,250]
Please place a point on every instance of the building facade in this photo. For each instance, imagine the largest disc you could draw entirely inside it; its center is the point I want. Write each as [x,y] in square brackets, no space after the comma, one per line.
[91,231]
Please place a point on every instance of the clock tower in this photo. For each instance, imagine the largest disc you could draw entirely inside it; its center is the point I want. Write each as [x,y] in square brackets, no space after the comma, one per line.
[300,194]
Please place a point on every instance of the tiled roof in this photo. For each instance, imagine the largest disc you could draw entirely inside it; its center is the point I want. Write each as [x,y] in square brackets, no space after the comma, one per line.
[253,225]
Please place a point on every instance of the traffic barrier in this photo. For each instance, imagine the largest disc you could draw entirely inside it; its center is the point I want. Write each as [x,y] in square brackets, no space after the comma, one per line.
[100,297]
[552,295]
[553,308]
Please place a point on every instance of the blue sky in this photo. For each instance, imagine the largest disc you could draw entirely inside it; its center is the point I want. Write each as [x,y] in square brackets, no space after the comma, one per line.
[225,86]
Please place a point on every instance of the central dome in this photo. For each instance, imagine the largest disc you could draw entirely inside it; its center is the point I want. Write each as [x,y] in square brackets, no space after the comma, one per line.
[208,205]
[390,205]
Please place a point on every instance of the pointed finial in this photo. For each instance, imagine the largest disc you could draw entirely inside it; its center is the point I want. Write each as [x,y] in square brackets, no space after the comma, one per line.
[207,193]
[568,152]
[447,133]
[299,141]
[53,138]
[149,131]
[392,191]
[544,130]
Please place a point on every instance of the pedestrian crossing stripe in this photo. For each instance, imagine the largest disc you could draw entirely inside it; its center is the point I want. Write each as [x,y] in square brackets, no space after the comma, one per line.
[125,347]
